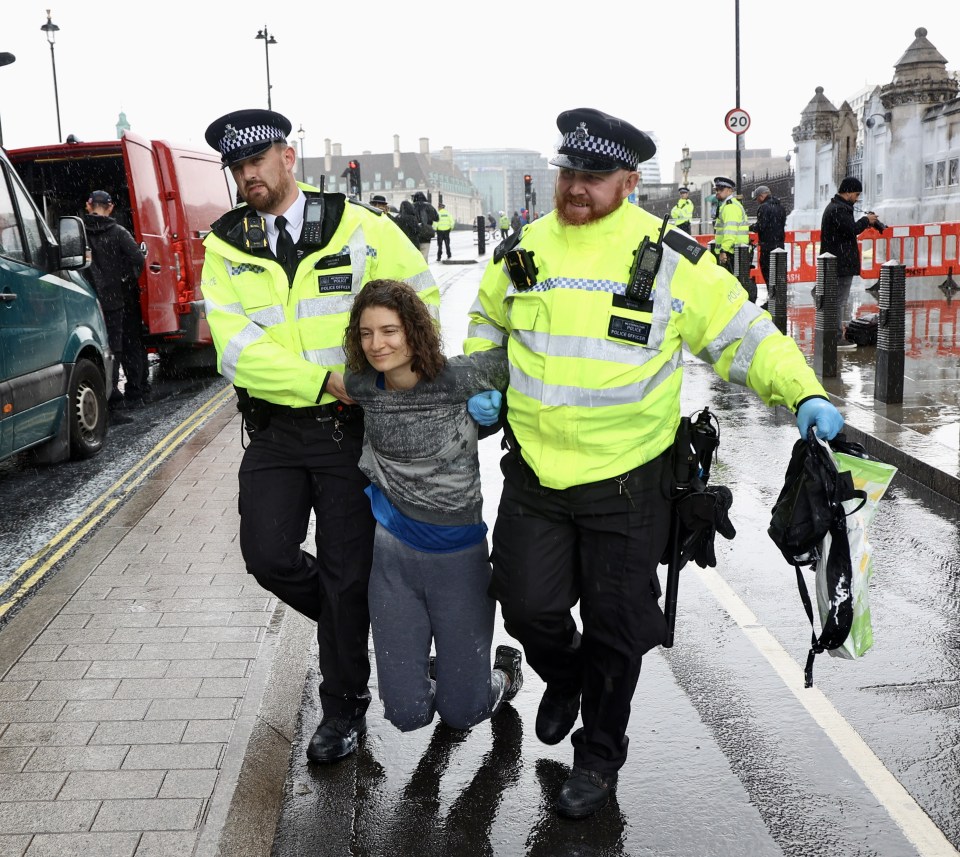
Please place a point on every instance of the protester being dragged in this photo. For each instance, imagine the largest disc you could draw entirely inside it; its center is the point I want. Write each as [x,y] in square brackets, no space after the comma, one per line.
[431,566]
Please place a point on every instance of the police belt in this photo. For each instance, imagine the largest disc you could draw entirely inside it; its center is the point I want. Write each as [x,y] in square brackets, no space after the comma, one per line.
[321,413]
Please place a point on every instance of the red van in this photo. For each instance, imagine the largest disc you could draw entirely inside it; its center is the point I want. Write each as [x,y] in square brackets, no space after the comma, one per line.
[167,196]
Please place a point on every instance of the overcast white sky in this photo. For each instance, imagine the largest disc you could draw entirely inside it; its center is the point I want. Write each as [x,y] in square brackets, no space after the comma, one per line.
[467,75]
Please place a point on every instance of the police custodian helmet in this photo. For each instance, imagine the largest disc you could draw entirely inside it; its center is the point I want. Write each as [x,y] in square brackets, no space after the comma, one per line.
[595,142]
[244,133]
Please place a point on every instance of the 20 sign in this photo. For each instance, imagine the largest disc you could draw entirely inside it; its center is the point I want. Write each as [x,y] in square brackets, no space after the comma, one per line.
[737,120]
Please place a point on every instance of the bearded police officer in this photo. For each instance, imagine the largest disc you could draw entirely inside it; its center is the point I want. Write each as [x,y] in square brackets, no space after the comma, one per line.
[279,279]
[594,348]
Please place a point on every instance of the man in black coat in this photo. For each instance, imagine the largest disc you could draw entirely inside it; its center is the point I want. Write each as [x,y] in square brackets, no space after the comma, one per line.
[771,220]
[838,235]
[115,267]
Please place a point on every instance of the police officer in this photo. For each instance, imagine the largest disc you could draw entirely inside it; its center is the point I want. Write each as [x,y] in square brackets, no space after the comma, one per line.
[682,212]
[593,408]
[443,225]
[279,279]
[732,227]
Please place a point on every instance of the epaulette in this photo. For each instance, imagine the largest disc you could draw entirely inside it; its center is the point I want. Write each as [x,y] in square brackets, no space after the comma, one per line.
[678,241]
[506,245]
[365,205]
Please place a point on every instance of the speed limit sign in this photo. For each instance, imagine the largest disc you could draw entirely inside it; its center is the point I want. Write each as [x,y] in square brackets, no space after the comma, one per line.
[737,120]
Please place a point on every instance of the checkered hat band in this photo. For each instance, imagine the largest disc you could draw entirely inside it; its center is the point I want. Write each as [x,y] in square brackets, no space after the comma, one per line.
[249,137]
[578,143]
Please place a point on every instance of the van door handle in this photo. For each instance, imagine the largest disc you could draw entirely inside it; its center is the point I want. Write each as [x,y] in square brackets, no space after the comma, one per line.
[7,296]
[155,268]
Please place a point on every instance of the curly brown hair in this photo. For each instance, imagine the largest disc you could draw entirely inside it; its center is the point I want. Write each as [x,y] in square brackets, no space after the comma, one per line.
[421,331]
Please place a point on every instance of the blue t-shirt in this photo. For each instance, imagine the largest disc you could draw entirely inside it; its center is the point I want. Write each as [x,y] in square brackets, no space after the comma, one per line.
[427,538]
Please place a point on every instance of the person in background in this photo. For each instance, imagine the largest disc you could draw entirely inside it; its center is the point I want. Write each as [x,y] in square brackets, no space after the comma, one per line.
[278,281]
[592,413]
[431,565]
[515,222]
[443,225]
[426,216]
[115,267]
[504,223]
[769,226]
[732,227]
[682,213]
[838,235]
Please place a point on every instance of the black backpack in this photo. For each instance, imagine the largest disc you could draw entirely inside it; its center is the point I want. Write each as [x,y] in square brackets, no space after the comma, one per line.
[863,330]
[810,505]
[425,223]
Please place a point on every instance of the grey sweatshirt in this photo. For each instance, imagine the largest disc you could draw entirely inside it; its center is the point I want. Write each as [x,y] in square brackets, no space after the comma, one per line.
[420,445]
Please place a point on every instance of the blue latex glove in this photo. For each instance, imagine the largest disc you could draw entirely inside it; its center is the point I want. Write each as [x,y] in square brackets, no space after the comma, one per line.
[823,415]
[485,407]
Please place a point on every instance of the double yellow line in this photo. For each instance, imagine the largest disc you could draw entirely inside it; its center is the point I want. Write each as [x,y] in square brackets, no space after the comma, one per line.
[28,575]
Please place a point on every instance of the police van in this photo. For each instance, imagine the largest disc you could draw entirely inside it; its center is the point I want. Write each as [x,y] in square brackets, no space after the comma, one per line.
[55,363]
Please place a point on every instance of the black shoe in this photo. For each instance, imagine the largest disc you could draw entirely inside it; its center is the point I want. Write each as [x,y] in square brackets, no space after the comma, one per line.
[585,792]
[336,738]
[557,713]
[508,661]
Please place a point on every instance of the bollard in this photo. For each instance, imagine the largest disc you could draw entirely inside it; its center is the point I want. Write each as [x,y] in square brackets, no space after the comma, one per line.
[742,262]
[891,331]
[481,235]
[825,326]
[777,288]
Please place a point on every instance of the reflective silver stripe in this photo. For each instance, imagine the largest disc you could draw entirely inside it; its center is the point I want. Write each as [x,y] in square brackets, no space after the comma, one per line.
[234,348]
[357,246]
[422,281]
[558,395]
[326,356]
[663,298]
[748,348]
[210,306]
[332,304]
[267,317]
[736,329]
[586,347]
[480,330]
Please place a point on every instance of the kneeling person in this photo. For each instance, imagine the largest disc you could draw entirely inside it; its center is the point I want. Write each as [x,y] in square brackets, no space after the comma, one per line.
[431,566]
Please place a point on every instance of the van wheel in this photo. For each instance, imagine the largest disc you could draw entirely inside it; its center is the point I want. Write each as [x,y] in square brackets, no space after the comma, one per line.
[87,410]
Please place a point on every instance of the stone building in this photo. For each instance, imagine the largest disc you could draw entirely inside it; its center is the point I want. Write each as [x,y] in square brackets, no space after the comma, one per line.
[902,140]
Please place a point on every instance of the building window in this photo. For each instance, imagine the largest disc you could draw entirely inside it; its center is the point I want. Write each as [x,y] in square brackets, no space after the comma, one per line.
[954,171]
[928,175]
[399,175]
[941,173]
[388,185]
[410,183]
[377,177]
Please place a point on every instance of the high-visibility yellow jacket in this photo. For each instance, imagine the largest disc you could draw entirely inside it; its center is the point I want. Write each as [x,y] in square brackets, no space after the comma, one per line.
[732,226]
[504,221]
[445,221]
[682,212]
[595,378]
[280,341]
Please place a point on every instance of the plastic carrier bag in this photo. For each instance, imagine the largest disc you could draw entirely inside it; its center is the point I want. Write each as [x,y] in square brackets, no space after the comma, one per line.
[872,477]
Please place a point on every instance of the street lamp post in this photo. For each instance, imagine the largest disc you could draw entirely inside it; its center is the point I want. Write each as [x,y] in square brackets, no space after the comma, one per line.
[51,30]
[301,133]
[685,163]
[267,41]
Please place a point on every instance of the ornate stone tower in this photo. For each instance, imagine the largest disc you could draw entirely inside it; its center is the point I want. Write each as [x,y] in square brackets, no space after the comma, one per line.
[814,146]
[122,124]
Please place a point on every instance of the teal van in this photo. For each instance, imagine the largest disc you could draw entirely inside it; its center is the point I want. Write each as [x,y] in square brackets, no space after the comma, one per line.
[55,363]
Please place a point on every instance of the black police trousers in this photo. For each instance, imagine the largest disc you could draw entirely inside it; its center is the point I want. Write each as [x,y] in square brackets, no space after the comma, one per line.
[292,467]
[598,544]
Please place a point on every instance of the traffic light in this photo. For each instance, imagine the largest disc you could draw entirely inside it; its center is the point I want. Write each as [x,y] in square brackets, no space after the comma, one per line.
[527,187]
[352,175]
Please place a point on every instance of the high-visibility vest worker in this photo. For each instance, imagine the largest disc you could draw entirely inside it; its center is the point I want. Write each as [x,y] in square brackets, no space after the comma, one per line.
[682,212]
[504,221]
[445,221]
[732,227]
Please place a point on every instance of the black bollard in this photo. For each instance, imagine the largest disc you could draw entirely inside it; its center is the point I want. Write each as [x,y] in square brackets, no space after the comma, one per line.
[777,288]
[481,235]
[742,263]
[825,326]
[891,330]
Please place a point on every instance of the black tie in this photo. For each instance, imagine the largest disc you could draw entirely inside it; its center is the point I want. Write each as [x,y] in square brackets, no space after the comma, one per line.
[286,249]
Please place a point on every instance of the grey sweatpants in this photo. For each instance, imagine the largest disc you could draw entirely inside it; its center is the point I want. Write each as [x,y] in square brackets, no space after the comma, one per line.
[416,598]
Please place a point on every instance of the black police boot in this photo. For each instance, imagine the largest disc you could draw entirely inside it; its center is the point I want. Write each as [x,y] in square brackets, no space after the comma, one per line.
[508,661]
[557,713]
[336,738]
[585,792]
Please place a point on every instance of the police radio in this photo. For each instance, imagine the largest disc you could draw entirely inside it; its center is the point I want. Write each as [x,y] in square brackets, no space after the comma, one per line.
[254,232]
[646,263]
[313,221]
